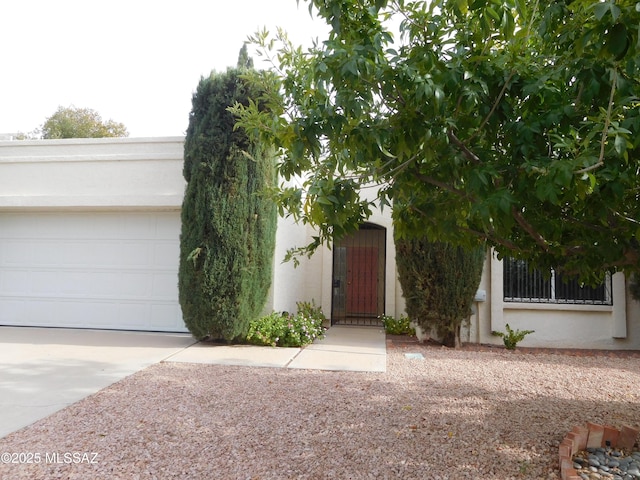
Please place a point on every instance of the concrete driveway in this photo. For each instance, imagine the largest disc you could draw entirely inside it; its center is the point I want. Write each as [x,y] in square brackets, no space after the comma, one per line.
[43,370]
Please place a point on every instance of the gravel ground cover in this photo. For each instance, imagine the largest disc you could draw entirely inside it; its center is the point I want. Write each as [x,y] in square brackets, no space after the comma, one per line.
[470,413]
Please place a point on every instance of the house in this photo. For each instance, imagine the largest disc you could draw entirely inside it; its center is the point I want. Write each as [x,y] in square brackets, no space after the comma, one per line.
[89,238]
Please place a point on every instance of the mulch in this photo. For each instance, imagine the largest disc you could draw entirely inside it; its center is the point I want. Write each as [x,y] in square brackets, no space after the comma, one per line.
[406,342]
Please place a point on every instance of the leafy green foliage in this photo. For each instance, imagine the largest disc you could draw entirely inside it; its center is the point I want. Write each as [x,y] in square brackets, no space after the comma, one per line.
[287,330]
[511,338]
[72,122]
[513,123]
[228,224]
[397,326]
[439,282]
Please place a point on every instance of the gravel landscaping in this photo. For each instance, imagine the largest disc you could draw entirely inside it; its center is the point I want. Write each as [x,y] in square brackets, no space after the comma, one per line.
[471,413]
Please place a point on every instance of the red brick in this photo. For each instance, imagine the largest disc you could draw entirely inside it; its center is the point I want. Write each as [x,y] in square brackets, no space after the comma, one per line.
[573,438]
[628,437]
[583,435]
[596,432]
[564,451]
[566,468]
[610,437]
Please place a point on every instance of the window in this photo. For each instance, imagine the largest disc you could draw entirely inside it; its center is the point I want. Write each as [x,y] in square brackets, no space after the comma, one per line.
[524,284]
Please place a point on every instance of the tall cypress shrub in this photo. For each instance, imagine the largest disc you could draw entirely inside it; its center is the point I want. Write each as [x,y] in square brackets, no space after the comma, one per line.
[228,227]
[439,282]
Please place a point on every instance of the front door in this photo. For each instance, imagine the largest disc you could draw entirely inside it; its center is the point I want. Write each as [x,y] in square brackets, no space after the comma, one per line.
[362,281]
[358,277]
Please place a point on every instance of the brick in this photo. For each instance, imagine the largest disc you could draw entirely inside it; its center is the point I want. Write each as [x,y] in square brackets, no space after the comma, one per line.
[566,466]
[596,432]
[628,437]
[610,436]
[573,438]
[583,435]
[564,451]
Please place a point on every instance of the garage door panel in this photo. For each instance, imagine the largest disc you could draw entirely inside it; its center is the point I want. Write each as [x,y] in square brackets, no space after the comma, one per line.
[162,315]
[134,254]
[135,285]
[165,286]
[14,281]
[164,228]
[74,283]
[134,315]
[14,312]
[47,283]
[139,227]
[43,253]
[70,253]
[93,269]
[164,254]
[15,253]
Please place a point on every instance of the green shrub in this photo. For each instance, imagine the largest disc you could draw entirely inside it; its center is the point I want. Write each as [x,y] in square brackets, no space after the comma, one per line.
[397,326]
[439,282]
[266,330]
[288,330]
[512,338]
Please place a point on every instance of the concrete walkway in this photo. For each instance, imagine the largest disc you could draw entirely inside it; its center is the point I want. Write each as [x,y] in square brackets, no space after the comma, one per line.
[43,370]
[344,348]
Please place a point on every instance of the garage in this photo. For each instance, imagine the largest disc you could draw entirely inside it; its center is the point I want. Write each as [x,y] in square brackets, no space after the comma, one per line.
[89,233]
[114,270]
[104,270]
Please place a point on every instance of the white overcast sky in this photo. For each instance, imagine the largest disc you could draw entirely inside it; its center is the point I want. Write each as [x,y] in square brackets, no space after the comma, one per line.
[133,61]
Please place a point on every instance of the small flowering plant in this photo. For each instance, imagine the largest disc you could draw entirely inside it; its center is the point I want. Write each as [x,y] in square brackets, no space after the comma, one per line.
[288,330]
[397,326]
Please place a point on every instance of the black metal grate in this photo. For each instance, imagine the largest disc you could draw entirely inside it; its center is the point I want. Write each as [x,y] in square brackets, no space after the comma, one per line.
[528,285]
[359,322]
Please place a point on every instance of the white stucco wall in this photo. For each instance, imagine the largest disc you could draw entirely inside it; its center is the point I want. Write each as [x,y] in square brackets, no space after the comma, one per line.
[312,279]
[562,325]
[92,173]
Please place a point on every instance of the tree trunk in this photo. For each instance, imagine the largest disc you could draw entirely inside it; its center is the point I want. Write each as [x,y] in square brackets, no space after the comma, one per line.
[451,339]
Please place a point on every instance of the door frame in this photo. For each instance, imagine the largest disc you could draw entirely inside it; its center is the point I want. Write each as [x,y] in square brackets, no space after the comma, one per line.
[372,237]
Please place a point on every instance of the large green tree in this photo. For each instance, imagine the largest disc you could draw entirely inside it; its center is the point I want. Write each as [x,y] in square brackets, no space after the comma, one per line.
[228,224]
[72,122]
[511,122]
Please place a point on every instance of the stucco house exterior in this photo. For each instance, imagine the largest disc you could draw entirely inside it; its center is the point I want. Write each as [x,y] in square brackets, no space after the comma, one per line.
[89,238]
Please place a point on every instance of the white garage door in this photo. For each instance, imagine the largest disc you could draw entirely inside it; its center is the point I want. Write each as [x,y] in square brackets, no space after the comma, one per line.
[116,270]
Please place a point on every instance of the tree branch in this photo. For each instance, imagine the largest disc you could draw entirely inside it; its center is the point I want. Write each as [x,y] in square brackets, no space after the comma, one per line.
[605,130]
[458,143]
[494,106]
[443,186]
[527,227]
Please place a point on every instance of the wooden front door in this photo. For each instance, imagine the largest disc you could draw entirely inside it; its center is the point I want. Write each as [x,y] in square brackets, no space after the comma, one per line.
[362,281]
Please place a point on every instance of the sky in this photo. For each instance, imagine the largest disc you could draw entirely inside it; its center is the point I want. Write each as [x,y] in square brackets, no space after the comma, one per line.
[137,62]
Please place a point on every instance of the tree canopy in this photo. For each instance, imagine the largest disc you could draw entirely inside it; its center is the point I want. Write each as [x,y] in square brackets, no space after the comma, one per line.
[72,122]
[511,122]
